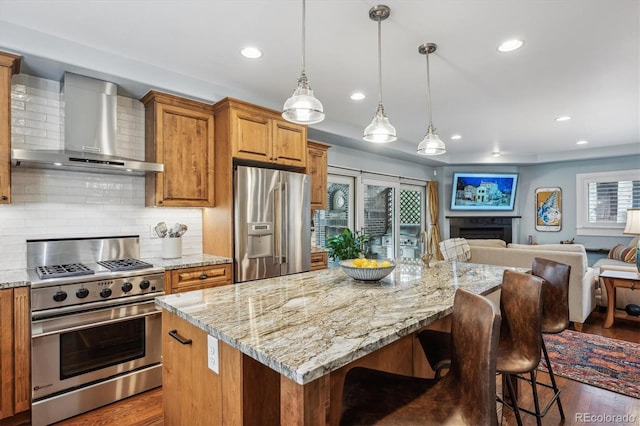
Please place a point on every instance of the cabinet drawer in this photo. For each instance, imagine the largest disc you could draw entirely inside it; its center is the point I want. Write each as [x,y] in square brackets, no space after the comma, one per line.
[319,260]
[198,278]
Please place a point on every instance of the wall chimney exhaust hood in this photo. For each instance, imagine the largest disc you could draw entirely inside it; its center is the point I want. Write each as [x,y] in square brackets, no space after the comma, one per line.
[90,133]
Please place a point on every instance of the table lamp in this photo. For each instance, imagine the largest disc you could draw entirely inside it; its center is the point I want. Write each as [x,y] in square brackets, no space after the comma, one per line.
[633,227]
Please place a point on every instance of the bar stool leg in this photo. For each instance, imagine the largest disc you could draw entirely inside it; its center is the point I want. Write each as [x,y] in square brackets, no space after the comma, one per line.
[513,401]
[536,402]
[556,391]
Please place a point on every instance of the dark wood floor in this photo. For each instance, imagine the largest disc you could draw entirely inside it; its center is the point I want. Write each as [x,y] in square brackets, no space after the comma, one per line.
[577,399]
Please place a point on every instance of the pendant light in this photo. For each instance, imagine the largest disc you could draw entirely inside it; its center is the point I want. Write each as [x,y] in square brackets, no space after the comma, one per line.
[431,144]
[380,130]
[302,107]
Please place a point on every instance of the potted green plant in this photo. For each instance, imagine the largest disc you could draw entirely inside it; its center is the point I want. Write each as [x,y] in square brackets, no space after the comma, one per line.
[348,245]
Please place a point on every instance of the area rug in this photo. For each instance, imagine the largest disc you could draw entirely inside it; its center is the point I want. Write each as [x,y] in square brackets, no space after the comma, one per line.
[595,360]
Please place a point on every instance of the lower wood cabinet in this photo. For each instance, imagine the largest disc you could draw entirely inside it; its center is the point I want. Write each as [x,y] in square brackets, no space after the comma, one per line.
[242,392]
[198,278]
[15,352]
[319,260]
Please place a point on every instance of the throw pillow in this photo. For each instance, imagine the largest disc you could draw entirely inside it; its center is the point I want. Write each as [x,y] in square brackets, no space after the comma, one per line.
[455,249]
[624,253]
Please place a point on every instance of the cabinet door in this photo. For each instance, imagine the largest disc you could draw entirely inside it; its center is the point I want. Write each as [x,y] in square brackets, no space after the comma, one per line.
[289,144]
[185,145]
[317,169]
[251,138]
[191,392]
[188,279]
[9,65]
[319,260]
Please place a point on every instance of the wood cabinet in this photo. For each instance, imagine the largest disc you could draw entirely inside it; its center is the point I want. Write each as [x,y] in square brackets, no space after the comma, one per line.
[319,260]
[9,65]
[258,134]
[317,169]
[198,278]
[179,133]
[243,392]
[15,352]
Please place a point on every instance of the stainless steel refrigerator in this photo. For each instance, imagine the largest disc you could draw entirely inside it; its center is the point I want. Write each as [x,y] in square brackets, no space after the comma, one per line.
[272,223]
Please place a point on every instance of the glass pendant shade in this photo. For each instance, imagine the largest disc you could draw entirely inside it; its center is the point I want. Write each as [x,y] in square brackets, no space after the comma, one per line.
[431,144]
[302,107]
[380,130]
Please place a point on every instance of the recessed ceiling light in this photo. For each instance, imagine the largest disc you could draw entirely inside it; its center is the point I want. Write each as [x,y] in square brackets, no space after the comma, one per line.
[455,137]
[496,154]
[582,142]
[563,118]
[357,96]
[510,45]
[251,52]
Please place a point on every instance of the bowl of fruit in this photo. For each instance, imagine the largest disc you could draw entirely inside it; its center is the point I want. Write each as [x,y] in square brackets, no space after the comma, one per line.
[367,269]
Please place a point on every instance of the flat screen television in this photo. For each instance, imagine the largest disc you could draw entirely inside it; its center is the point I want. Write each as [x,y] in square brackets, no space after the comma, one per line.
[483,191]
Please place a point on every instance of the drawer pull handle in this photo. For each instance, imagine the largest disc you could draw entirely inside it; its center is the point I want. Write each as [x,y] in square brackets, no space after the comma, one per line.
[174,334]
[204,276]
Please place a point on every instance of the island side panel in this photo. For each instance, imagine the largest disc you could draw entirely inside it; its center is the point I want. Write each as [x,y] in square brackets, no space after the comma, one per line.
[304,405]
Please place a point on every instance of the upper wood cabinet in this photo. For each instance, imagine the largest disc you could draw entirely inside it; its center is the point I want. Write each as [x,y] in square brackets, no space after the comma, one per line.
[317,169]
[260,135]
[180,134]
[9,65]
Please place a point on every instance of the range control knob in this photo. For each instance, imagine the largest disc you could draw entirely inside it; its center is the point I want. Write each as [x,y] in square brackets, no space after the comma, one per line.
[82,293]
[105,292]
[127,287]
[60,296]
[144,284]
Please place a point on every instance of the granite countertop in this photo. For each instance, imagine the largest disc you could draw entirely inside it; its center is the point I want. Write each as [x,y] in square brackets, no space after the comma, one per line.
[189,261]
[318,249]
[19,277]
[14,278]
[305,325]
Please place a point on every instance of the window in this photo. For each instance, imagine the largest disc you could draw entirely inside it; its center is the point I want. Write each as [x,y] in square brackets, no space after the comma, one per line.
[603,200]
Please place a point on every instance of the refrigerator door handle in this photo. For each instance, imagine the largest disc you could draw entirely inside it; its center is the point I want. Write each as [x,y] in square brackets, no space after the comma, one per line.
[278,226]
[284,223]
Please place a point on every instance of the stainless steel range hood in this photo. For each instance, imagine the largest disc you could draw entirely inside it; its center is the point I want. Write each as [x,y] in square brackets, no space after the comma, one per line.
[90,133]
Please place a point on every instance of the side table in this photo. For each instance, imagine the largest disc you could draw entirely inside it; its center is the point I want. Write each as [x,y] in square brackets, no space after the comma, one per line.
[618,279]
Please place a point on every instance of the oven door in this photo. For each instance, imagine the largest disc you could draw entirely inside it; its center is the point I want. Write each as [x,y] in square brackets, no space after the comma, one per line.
[80,349]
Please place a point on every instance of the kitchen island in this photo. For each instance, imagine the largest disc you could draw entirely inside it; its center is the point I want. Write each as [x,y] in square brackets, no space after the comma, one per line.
[285,344]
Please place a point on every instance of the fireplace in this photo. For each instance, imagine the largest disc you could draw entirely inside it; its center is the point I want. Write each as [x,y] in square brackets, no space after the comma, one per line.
[481,227]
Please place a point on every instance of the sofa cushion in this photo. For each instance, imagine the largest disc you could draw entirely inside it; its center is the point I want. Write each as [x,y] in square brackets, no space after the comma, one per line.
[624,253]
[487,243]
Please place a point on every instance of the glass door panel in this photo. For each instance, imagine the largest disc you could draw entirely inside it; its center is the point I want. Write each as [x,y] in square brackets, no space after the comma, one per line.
[378,220]
[339,214]
[412,214]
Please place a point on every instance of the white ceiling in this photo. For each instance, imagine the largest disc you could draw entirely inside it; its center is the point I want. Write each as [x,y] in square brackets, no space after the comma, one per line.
[580,58]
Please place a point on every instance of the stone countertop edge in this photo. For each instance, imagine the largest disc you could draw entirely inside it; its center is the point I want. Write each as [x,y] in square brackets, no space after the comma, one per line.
[318,249]
[19,278]
[14,278]
[316,322]
[188,261]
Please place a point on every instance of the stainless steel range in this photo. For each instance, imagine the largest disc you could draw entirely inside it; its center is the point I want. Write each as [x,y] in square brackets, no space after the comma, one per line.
[96,332]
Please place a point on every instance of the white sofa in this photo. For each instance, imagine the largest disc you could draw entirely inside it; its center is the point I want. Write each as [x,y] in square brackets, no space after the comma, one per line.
[624,296]
[582,278]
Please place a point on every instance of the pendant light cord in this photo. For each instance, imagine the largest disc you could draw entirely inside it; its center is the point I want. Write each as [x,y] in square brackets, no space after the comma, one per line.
[429,90]
[379,60]
[303,35]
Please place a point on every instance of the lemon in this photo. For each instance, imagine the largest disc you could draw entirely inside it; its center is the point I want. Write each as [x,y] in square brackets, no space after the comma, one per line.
[359,263]
[385,264]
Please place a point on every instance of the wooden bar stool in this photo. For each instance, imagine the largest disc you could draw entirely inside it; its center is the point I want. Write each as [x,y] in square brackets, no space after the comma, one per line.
[555,313]
[519,346]
[465,396]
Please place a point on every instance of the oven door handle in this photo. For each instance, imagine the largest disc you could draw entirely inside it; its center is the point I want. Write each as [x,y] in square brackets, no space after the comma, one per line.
[93,325]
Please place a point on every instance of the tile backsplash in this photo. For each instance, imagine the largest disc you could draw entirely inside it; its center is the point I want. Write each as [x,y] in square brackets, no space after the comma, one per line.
[59,204]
